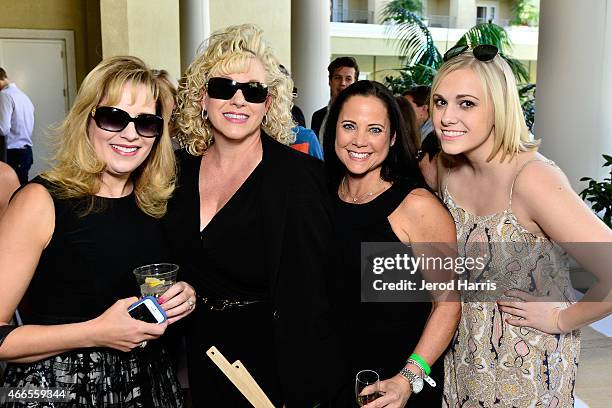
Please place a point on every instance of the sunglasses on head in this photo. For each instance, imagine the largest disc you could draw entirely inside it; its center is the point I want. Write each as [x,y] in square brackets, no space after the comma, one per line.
[225,88]
[482,52]
[115,120]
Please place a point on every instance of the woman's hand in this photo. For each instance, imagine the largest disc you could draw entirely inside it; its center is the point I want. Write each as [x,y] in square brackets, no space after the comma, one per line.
[115,328]
[178,301]
[534,312]
[395,390]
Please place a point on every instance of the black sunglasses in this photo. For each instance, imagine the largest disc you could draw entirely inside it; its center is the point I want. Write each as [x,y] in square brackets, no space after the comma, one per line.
[482,52]
[225,88]
[115,120]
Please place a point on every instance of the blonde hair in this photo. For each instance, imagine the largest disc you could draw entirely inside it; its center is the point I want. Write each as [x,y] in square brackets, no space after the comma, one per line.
[78,169]
[226,52]
[511,135]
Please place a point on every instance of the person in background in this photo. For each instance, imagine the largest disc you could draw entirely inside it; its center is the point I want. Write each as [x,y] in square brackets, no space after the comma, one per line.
[71,238]
[418,96]
[410,122]
[521,347]
[380,196]
[16,126]
[256,244]
[306,140]
[342,72]
[429,146]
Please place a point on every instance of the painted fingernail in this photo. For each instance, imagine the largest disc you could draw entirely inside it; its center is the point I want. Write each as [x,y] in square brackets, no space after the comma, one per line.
[161,300]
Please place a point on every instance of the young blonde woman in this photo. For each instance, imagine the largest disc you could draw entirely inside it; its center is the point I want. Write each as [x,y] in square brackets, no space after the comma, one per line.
[71,238]
[521,349]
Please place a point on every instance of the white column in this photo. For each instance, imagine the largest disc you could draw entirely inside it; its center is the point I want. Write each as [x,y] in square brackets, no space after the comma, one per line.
[574,89]
[465,12]
[195,28]
[310,52]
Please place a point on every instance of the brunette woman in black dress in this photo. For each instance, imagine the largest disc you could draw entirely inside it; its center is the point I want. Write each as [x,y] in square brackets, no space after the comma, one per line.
[380,196]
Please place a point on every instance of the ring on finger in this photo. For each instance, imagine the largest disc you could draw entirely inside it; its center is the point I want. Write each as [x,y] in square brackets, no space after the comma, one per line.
[190,303]
[143,344]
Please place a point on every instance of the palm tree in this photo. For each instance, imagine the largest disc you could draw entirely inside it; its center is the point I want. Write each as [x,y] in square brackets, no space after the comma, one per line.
[422,57]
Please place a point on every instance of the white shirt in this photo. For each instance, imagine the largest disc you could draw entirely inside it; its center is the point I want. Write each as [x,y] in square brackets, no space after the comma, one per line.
[16,117]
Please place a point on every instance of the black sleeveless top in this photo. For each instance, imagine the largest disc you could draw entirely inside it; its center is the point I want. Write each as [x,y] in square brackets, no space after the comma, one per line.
[88,263]
[378,336]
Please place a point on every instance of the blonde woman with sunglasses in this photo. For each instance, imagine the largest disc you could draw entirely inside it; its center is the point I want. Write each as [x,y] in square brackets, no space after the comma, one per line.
[70,240]
[251,224]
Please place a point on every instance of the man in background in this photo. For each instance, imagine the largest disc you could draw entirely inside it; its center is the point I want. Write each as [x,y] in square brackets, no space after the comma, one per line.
[16,126]
[343,71]
[418,97]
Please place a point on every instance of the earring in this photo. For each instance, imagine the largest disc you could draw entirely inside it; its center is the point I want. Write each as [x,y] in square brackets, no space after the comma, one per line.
[392,141]
[204,114]
[264,122]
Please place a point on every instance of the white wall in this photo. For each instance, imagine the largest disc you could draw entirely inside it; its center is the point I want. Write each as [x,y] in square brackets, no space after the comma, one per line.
[573,111]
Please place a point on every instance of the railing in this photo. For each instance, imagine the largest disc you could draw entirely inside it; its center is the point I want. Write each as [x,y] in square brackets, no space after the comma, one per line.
[500,22]
[441,21]
[339,15]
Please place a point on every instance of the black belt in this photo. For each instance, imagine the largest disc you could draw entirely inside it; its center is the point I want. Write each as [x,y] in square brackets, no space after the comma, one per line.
[224,304]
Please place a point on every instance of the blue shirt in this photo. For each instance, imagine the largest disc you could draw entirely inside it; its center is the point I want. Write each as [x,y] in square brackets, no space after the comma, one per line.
[306,141]
[16,117]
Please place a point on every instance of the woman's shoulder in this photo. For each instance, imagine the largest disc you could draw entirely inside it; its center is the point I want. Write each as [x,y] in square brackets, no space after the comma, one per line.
[424,217]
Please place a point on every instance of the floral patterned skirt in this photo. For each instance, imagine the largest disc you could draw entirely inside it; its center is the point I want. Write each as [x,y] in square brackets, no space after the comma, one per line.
[102,378]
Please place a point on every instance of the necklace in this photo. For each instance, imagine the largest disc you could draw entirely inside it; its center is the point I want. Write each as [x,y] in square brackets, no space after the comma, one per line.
[344,190]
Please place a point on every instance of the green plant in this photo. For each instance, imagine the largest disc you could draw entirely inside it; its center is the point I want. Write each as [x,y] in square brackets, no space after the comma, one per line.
[525,12]
[599,194]
[527,96]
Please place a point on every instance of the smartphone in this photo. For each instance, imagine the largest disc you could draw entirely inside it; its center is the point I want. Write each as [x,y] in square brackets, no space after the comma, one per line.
[148,310]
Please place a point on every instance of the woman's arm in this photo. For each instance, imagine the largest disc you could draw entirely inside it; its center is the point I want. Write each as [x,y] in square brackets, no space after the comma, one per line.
[9,183]
[422,220]
[550,202]
[25,230]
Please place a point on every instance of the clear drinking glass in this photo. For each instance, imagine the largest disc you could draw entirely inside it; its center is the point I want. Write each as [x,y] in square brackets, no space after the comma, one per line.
[367,378]
[155,279]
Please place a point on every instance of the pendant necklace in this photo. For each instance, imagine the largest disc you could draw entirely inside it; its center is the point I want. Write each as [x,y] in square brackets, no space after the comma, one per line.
[344,189]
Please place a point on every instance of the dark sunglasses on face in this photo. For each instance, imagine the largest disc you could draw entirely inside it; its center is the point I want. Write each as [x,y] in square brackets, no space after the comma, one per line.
[225,88]
[115,120]
[482,52]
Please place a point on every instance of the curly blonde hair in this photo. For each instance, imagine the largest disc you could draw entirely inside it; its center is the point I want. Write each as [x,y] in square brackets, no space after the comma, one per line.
[78,169]
[226,52]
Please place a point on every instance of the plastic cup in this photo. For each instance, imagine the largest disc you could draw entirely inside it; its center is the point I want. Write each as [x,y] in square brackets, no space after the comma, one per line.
[155,279]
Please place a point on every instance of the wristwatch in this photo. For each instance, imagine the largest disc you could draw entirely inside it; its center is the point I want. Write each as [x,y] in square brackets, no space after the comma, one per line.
[416,382]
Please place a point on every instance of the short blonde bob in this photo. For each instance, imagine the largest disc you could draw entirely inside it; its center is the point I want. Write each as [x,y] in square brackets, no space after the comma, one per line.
[78,170]
[497,80]
[226,52]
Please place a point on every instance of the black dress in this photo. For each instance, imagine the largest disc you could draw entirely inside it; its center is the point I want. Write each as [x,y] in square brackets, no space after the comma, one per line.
[87,267]
[378,336]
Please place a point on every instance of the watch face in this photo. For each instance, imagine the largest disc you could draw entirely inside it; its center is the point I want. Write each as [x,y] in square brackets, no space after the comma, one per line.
[417,385]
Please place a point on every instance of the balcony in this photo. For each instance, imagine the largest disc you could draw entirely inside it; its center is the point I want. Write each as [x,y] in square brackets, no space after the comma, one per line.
[340,15]
[504,22]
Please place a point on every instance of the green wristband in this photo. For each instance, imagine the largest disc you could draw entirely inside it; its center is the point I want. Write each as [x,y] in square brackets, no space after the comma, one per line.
[422,363]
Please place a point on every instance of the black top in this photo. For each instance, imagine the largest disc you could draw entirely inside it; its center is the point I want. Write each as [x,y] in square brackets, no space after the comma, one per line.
[88,263]
[378,336]
[235,230]
[317,120]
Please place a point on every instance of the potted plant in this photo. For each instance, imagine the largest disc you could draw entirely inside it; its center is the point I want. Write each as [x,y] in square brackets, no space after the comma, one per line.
[599,194]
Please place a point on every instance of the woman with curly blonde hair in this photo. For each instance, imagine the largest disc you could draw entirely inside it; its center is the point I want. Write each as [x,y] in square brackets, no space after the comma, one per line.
[71,238]
[252,227]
